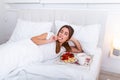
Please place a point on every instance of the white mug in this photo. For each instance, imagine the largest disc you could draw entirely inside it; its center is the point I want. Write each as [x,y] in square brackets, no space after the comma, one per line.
[81,58]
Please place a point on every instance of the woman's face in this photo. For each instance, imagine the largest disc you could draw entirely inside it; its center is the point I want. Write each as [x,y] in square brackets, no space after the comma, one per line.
[63,35]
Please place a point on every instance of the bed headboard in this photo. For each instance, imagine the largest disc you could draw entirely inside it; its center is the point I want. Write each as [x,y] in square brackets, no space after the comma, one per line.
[78,17]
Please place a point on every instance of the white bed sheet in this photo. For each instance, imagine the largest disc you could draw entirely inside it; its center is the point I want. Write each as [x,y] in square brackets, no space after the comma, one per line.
[21,67]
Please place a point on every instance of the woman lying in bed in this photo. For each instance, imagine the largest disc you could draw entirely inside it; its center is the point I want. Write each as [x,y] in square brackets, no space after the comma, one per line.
[21,53]
[57,43]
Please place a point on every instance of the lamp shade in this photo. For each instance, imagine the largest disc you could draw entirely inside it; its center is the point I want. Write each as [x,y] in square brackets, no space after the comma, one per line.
[116,43]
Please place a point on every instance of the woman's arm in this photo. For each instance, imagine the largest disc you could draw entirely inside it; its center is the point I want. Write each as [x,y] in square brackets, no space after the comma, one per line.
[77,48]
[41,39]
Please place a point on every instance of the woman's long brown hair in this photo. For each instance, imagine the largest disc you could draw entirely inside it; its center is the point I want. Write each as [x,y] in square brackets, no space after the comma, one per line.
[65,44]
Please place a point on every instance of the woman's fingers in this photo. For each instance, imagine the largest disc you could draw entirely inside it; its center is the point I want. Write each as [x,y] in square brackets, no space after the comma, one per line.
[53,38]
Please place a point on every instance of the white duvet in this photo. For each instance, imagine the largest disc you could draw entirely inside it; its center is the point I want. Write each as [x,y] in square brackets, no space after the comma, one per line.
[22,61]
[17,54]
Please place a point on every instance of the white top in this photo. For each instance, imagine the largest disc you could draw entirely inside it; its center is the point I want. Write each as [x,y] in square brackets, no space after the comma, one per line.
[49,50]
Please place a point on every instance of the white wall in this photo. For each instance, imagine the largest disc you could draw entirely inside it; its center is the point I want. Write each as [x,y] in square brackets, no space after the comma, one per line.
[108,64]
[2,28]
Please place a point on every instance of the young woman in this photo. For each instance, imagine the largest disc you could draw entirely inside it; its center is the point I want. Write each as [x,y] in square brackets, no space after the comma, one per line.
[50,47]
[57,43]
[39,48]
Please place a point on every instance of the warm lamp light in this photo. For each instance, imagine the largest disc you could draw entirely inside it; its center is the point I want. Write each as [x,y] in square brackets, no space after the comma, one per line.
[116,43]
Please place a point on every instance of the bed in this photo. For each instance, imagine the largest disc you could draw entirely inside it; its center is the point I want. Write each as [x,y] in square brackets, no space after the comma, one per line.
[24,63]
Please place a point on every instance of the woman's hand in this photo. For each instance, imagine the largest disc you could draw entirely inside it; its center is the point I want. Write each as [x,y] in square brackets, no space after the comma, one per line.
[53,38]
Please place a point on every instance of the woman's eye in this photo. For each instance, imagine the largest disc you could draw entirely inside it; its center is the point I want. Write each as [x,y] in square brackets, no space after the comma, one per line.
[66,33]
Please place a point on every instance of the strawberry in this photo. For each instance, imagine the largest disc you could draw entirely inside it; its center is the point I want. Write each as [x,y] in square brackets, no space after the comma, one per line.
[68,57]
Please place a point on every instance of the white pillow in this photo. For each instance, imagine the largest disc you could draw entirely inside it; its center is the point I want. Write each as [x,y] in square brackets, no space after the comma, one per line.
[88,37]
[59,24]
[26,29]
